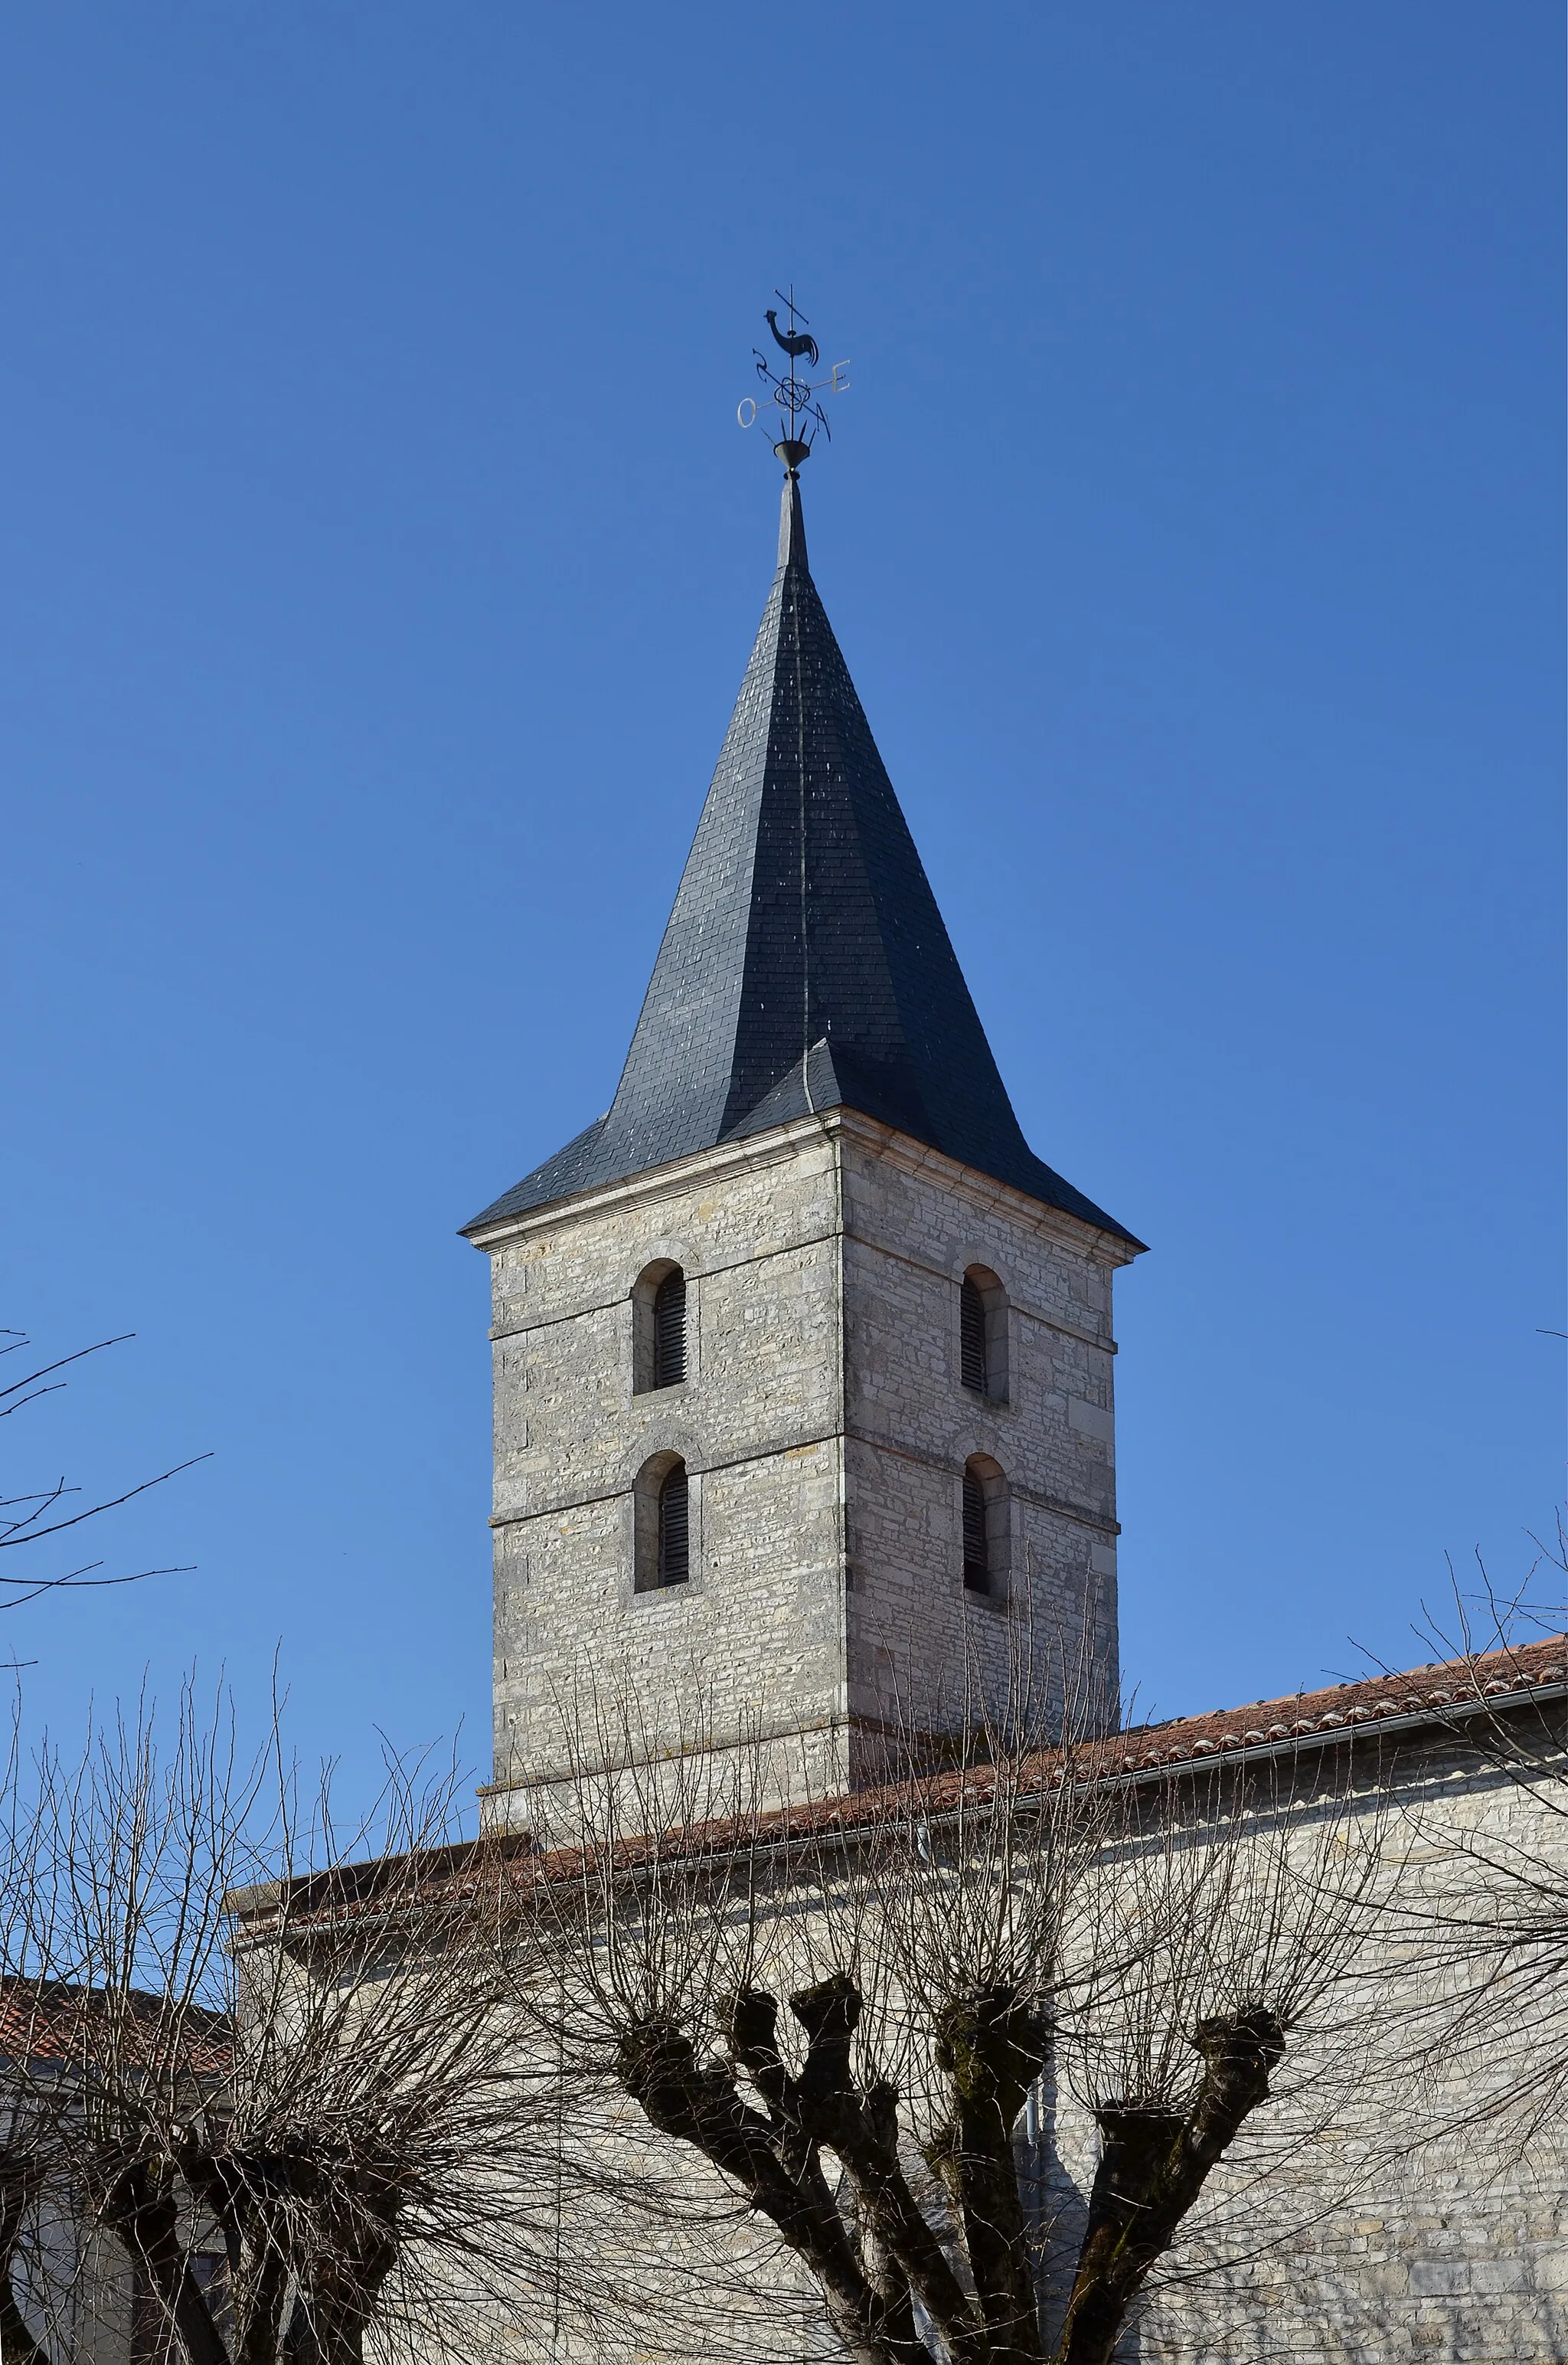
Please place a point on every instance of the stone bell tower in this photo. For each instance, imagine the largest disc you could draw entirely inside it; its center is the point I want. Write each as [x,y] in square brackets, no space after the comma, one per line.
[803,1404]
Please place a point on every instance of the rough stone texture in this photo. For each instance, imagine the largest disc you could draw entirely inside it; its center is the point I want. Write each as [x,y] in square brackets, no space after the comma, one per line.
[1416,2225]
[756,1422]
[824,1433]
[909,1237]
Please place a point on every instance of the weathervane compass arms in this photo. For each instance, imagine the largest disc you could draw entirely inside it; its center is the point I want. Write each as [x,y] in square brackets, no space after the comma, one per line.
[796,399]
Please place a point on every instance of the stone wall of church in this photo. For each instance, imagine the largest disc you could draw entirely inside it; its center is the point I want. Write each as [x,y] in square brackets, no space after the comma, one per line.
[913,1225]
[1389,2204]
[1399,2216]
[825,1434]
[757,1631]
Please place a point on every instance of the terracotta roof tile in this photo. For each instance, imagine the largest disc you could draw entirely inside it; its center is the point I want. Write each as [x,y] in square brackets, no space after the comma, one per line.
[52,2020]
[1427,1695]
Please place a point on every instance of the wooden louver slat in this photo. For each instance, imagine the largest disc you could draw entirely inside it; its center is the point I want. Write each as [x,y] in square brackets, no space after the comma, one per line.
[971,1337]
[669,1330]
[675,1529]
[976,1553]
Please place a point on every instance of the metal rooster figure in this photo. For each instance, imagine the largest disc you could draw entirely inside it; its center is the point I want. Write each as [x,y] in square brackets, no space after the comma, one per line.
[794,346]
[796,399]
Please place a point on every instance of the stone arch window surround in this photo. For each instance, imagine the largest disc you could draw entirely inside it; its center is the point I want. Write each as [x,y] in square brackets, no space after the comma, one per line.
[985,1528]
[666,1507]
[664,1326]
[984,1357]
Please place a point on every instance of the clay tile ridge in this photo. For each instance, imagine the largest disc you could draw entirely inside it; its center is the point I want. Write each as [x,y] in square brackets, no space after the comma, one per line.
[54,2020]
[1431,1695]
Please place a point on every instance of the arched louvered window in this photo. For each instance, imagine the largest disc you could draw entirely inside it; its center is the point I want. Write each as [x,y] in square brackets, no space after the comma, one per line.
[658,1327]
[985,1527]
[669,1329]
[661,1507]
[982,1333]
[675,1527]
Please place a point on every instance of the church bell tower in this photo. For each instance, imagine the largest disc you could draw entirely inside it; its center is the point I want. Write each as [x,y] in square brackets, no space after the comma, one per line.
[804,1408]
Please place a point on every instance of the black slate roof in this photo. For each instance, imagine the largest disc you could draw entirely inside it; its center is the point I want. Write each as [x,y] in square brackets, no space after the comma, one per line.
[805,965]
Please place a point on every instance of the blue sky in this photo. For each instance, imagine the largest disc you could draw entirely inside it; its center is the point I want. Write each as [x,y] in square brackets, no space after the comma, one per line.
[382,559]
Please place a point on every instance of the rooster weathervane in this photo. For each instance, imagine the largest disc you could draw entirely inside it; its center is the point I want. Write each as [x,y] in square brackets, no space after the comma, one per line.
[795,397]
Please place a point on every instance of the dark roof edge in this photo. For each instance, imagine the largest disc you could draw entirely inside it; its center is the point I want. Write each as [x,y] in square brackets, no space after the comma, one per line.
[569,1158]
[507,1208]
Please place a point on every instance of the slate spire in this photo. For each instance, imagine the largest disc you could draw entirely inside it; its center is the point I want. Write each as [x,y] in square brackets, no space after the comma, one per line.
[805,965]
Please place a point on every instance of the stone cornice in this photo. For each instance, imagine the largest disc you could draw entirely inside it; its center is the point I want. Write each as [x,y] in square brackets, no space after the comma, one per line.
[660,1181]
[1082,1514]
[919,1157]
[785,1140]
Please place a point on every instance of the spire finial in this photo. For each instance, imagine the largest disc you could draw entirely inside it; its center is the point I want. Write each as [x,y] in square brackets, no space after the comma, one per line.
[796,399]
[791,523]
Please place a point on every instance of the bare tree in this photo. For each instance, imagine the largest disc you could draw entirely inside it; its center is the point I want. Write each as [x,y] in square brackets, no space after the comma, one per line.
[287,2092]
[856,2014]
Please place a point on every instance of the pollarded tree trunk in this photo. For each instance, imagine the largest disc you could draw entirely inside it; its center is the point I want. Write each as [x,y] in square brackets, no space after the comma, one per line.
[141,2206]
[991,2045]
[956,1927]
[346,2289]
[773,2159]
[1153,2164]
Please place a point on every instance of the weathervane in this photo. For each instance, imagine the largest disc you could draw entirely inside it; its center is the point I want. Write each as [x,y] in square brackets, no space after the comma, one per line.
[795,398]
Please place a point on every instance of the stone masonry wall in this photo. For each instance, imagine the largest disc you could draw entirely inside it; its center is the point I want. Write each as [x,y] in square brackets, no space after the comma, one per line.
[1413,2225]
[759,1625]
[913,1228]
[825,1434]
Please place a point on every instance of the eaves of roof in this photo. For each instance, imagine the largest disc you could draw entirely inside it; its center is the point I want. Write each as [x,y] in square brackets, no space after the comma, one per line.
[1429,1700]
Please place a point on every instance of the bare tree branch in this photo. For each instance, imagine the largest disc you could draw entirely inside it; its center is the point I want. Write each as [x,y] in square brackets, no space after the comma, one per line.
[848,2011]
[26,1517]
